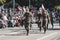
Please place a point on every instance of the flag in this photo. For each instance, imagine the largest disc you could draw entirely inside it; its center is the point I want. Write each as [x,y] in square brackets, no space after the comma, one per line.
[43,7]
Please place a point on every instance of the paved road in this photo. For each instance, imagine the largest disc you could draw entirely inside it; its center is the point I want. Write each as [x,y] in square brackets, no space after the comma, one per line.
[19,33]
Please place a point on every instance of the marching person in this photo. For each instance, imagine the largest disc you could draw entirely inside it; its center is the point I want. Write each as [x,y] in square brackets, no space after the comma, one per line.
[39,19]
[5,19]
[26,21]
[51,19]
[45,20]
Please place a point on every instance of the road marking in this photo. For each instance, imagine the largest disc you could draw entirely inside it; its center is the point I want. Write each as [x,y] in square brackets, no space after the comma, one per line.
[47,36]
[10,33]
[3,35]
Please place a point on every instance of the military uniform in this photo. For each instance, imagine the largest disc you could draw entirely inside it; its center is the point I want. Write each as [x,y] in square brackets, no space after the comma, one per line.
[39,20]
[45,20]
[51,19]
[26,21]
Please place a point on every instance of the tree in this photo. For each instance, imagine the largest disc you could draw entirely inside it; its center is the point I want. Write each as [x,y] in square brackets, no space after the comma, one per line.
[36,3]
[2,1]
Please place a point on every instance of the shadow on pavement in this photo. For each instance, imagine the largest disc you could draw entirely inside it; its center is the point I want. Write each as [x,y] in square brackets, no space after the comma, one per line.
[54,29]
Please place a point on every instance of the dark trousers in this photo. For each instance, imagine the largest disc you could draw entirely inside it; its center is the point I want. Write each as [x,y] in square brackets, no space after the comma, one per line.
[44,25]
[59,22]
[39,25]
[52,23]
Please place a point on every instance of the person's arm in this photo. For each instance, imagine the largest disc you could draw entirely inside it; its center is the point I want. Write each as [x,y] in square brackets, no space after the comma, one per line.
[49,17]
[30,14]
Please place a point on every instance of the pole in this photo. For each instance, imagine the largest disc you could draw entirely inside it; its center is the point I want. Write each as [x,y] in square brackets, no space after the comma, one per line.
[29,3]
[13,4]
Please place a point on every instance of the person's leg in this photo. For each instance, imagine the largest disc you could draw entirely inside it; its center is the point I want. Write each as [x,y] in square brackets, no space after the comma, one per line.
[44,26]
[59,22]
[39,26]
[13,24]
[4,25]
[1,25]
[44,29]
[47,26]
[47,22]
[52,24]
[30,26]
[27,29]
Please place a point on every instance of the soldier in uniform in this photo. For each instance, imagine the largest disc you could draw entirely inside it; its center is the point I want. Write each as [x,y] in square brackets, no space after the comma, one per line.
[51,19]
[39,19]
[45,20]
[26,21]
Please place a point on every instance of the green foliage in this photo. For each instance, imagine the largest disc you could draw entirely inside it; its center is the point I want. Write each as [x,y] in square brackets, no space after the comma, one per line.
[47,3]
[2,1]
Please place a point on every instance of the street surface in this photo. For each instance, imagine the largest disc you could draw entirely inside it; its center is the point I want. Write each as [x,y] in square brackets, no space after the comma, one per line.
[19,33]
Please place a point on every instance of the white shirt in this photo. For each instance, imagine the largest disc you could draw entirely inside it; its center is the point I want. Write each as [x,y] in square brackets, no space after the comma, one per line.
[5,18]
